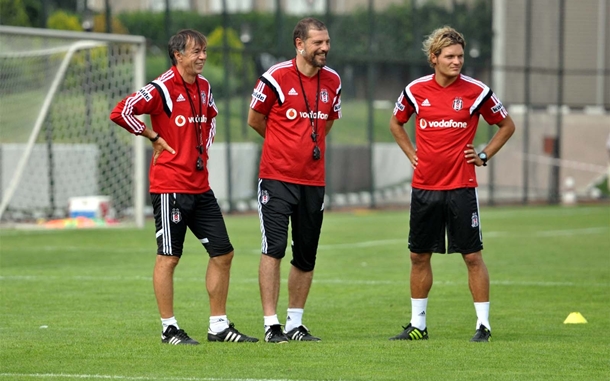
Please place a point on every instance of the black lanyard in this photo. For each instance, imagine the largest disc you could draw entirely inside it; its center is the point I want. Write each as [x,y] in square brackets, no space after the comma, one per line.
[196,118]
[199,165]
[314,125]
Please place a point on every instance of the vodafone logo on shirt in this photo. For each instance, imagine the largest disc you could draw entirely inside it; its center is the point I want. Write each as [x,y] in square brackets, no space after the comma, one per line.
[292,114]
[423,124]
[181,119]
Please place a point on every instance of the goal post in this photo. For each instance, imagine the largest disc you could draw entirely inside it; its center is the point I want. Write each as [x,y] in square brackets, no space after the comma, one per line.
[57,142]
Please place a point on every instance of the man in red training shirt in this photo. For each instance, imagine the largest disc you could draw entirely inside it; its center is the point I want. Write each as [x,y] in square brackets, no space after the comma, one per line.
[447,106]
[182,112]
[294,105]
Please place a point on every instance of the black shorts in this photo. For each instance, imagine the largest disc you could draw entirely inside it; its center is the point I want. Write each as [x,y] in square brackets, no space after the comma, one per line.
[303,205]
[174,212]
[455,210]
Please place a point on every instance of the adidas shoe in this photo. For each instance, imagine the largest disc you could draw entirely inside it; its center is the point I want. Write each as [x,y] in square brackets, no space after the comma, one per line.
[411,333]
[175,336]
[231,334]
[301,333]
[482,334]
[274,334]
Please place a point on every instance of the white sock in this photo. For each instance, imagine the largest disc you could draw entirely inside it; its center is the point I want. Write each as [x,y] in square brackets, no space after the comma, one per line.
[271,320]
[218,323]
[169,321]
[482,309]
[294,319]
[418,313]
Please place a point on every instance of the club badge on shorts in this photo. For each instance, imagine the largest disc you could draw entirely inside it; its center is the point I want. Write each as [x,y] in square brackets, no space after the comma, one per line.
[474,220]
[264,197]
[176,215]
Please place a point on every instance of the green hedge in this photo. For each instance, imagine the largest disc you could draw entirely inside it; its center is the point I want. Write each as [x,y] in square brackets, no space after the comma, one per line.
[399,30]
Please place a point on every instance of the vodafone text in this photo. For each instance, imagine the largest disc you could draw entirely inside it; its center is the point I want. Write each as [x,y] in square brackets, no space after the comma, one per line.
[313,115]
[423,123]
[292,113]
[181,119]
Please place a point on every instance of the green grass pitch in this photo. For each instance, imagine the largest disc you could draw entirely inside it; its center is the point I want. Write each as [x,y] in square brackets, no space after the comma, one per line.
[78,304]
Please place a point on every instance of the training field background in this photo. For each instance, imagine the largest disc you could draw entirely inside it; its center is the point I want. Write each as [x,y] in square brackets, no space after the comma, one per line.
[79,304]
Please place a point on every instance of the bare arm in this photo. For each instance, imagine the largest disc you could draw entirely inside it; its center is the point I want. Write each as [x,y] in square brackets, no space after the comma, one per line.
[257,121]
[126,119]
[404,142]
[506,130]
[159,145]
[329,125]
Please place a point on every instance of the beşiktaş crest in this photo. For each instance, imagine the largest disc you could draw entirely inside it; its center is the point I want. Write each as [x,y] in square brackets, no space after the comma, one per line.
[457,104]
[176,215]
[264,197]
[324,95]
[474,220]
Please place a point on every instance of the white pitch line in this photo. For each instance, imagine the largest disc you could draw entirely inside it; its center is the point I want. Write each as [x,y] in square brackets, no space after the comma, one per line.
[348,282]
[490,234]
[363,244]
[356,245]
[116,377]
[560,233]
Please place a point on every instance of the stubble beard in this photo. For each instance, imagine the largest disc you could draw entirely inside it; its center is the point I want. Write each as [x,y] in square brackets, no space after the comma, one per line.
[316,61]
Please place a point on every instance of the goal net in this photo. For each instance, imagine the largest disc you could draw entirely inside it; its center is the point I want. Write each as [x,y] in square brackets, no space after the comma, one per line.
[57,144]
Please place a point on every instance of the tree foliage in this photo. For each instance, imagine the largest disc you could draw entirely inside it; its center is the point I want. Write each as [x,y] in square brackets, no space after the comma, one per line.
[64,21]
[12,12]
[215,45]
[99,25]
[392,35]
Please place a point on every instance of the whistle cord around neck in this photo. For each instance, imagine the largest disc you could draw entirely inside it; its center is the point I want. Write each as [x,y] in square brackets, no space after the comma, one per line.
[196,118]
[314,125]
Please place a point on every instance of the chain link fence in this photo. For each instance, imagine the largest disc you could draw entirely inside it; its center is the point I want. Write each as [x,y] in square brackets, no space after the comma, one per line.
[547,60]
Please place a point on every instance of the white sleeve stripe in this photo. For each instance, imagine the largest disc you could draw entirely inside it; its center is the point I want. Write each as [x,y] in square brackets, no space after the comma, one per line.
[259,88]
[480,98]
[211,134]
[167,75]
[399,100]
[275,85]
[127,113]
[166,98]
[279,66]
[503,111]
[485,92]
[473,81]
[412,98]
[326,68]
[330,70]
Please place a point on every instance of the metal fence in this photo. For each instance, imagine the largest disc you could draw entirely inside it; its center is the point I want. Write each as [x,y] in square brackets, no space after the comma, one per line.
[548,60]
[551,64]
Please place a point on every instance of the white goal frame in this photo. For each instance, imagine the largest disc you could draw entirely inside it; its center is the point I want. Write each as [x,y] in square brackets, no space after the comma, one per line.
[82,40]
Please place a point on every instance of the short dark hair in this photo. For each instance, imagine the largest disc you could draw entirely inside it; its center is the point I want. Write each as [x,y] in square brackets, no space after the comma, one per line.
[178,42]
[301,30]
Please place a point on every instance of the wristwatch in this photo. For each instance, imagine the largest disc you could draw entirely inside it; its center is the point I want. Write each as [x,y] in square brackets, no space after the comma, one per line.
[483,157]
